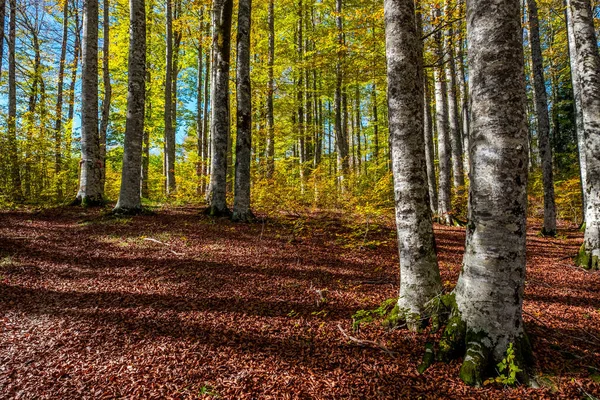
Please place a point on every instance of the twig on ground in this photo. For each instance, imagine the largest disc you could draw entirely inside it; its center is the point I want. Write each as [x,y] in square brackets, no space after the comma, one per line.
[366,343]
[164,244]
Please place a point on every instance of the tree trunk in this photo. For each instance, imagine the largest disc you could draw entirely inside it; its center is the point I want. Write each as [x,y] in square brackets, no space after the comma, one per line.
[464,97]
[59,104]
[74,68]
[375,124]
[420,277]
[543,121]
[489,294]
[107,85]
[222,10]
[13,150]
[454,125]
[241,200]
[90,183]
[130,201]
[588,72]
[441,120]
[270,153]
[169,149]
[205,128]
[429,153]
[199,115]
[2,25]
[341,141]
[148,113]
[579,127]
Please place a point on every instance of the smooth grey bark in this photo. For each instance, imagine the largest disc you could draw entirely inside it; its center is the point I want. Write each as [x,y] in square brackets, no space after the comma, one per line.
[15,176]
[104,120]
[270,151]
[148,113]
[454,125]
[74,65]
[199,115]
[543,120]
[341,140]
[243,147]
[219,124]
[489,292]
[441,121]
[419,273]
[169,147]
[576,86]
[429,153]
[375,123]
[300,96]
[59,103]
[130,199]
[205,128]
[464,95]
[90,182]
[358,129]
[588,72]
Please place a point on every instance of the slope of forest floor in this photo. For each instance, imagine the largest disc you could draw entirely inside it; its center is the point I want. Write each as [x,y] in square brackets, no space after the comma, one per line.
[179,305]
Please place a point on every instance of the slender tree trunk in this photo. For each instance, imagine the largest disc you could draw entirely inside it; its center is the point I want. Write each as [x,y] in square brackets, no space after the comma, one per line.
[90,183]
[464,95]
[441,119]
[420,277]
[543,121]
[15,175]
[59,104]
[169,150]
[489,293]
[2,25]
[579,127]
[241,200]
[74,68]
[130,200]
[375,123]
[205,129]
[31,110]
[199,115]
[358,125]
[588,72]
[270,89]
[148,113]
[341,140]
[454,125]
[429,153]
[107,85]
[222,10]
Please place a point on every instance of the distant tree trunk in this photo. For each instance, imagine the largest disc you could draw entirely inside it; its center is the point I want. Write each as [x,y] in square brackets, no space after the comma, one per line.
[31,109]
[222,10]
[375,123]
[420,277]
[2,25]
[270,153]
[15,176]
[74,68]
[588,72]
[90,183]
[169,149]
[130,201]
[199,115]
[454,125]
[146,139]
[429,153]
[543,121]
[579,127]
[205,128]
[489,293]
[59,104]
[341,140]
[241,200]
[300,95]
[358,125]
[441,119]
[107,85]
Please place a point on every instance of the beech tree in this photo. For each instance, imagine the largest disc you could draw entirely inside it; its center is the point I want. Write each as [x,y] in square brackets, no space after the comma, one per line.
[91,191]
[219,129]
[130,194]
[241,201]
[588,72]
[487,314]
[419,274]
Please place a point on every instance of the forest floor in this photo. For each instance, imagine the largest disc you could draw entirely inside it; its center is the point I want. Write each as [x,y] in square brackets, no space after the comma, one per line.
[179,305]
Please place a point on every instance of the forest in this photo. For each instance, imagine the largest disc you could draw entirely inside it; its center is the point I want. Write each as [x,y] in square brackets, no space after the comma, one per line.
[299,199]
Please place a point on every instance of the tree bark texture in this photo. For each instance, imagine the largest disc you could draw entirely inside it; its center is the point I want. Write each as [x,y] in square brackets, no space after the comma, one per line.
[90,182]
[130,200]
[420,278]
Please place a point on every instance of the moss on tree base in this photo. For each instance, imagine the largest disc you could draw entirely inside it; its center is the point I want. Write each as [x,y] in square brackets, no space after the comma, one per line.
[586,260]
[217,212]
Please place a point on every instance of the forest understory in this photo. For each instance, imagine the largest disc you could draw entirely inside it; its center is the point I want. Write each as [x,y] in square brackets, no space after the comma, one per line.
[181,305]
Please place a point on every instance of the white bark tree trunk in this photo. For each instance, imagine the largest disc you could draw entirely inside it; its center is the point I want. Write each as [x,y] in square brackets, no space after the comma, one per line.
[588,72]
[130,199]
[90,183]
[420,278]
